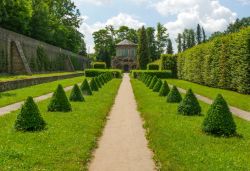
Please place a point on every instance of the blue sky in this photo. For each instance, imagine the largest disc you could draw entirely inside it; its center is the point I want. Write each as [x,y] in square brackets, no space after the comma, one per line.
[213,15]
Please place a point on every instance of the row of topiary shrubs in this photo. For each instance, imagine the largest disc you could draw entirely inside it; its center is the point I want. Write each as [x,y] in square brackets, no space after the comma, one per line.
[218,121]
[30,119]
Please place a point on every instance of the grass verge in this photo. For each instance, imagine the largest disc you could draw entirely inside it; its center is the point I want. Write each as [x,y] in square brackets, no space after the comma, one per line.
[17,95]
[179,144]
[7,77]
[233,98]
[66,144]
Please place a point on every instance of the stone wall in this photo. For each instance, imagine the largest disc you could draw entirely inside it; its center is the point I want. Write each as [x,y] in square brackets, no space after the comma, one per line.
[17,52]
[16,84]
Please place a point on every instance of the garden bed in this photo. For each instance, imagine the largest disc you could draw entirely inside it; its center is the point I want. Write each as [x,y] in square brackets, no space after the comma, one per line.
[178,142]
[68,142]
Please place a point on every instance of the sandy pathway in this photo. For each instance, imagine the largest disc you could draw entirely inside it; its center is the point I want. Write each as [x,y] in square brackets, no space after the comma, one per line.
[123,146]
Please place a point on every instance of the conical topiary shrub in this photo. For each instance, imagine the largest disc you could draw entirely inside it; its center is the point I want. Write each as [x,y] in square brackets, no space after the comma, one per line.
[157,86]
[102,79]
[98,82]
[219,120]
[146,79]
[164,89]
[85,88]
[76,94]
[93,85]
[29,118]
[59,101]
[189,105]
[174,96]
[149,81]
[153,82]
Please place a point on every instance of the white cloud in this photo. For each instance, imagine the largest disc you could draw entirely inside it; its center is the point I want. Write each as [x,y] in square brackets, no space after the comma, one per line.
[94,2]
[117,21]
[212,15]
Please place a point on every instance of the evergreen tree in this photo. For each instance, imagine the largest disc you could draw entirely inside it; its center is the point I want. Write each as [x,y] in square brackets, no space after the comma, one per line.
[161,38]
[179,43]
[157,86]
[76,94]
[93,85]
[198,34]
[142,51]
[85,88]
[151,43]
[170,47]
[153,82]
[204,35]
[219,120]
[29,118]
[189,105]
[164,89]
[59,101]
[174,96]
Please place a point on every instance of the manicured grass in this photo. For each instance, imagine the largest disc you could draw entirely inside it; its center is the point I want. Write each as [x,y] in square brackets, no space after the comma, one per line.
[178,142]
[68,142]
[8,77]
[233,98]
[13,96]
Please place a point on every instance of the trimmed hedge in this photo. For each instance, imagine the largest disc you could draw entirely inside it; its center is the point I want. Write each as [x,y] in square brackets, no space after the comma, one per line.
[98,65]
[159,74]
[223,62]
[153,66]
[169,62]
[116,73]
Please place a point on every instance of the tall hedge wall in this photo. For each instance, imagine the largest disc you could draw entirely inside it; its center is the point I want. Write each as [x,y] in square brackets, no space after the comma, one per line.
[223,62]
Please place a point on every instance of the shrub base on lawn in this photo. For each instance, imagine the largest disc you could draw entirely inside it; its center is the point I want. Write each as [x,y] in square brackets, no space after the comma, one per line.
[219,120]
[29,118]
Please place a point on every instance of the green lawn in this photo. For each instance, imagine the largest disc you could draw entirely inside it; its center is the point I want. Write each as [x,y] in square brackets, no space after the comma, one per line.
[179,144]
[233,98]
[7,77]
[13,96]
[68,142]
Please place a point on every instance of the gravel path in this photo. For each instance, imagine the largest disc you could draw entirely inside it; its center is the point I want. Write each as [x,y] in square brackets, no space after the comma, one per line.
[16,106]
[236,111]
[123,146]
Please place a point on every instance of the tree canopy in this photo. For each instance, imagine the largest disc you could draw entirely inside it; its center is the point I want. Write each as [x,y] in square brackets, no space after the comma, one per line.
[52,21]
